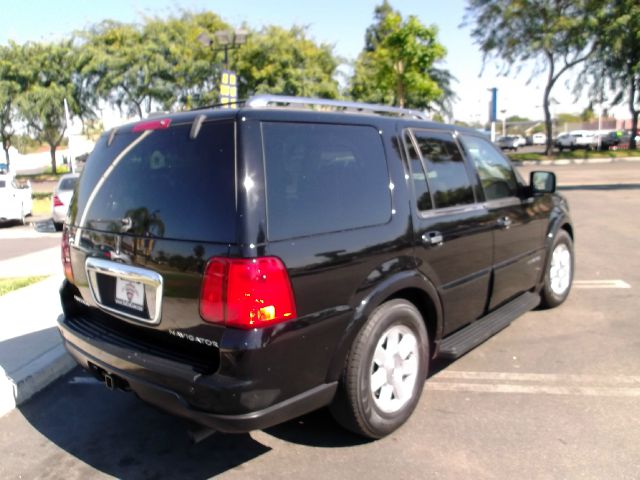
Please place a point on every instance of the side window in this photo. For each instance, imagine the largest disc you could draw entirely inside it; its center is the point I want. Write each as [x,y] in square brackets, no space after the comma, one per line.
[324,178]
[446,172]
[418,176]
[496,174]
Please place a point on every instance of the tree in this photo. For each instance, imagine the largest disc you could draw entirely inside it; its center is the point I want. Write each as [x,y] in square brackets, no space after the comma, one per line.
[616,63]
[51,69]
[193,67]
[122,68]
[280,61]
[12,82]
[397,64]
[555,34]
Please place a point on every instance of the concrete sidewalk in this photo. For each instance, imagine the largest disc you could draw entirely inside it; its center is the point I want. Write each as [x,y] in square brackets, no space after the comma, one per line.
[31,351]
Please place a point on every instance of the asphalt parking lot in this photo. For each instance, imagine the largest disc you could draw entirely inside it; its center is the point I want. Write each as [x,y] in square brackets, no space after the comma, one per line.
[554,396]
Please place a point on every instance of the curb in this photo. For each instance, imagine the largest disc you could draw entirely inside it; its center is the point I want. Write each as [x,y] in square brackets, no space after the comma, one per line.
[33,377]
[575,161]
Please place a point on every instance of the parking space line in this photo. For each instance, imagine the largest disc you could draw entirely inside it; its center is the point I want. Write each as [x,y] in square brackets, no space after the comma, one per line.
[600,284]
[540,377]
[536,383]
[534,389]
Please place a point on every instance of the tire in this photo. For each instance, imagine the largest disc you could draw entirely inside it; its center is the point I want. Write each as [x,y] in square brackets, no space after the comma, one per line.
[558,275]
[374,414]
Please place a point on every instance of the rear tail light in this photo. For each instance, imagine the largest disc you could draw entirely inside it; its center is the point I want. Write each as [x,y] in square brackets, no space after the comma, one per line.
[66,255]
[246,292]
[57,202]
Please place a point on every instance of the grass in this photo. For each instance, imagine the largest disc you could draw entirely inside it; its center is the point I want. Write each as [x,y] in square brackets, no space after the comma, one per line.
[9,284]
[41,204]
[47,175]
[574,154]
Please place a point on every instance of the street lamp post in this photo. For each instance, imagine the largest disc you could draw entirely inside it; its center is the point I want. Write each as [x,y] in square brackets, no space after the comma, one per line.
[227,39]
[504,122]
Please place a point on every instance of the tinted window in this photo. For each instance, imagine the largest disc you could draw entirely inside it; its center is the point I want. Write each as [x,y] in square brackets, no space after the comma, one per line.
[419,178]
[68,183]
[168,184]
[495,172]
[324,178]
[2,184]
[446,172]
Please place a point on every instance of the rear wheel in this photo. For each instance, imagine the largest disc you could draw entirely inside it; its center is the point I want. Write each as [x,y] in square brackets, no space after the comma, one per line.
[559,273]
[385,371]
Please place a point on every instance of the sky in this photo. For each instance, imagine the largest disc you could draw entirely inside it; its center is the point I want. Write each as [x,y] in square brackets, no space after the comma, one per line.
[341,23]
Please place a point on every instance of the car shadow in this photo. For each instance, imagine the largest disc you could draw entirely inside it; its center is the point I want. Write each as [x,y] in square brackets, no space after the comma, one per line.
[123,437]
[116,433]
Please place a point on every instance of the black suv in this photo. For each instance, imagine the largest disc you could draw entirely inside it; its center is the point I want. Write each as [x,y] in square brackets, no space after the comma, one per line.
[241,267]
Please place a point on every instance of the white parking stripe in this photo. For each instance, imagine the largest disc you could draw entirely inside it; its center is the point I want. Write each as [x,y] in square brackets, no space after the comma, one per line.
[536,383]
[534,389]
[600,284]
[539,377]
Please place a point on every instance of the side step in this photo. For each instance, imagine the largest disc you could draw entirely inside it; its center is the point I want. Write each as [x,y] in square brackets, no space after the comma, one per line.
[463,340]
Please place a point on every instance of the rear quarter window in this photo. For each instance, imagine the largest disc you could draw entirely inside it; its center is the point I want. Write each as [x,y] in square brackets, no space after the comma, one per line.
[324,178]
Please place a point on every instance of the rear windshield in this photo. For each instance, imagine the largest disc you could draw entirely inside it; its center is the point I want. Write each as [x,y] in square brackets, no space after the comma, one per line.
[68,183]
[168,184]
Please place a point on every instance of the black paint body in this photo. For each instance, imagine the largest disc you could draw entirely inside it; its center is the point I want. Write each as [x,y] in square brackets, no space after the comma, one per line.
[246,379]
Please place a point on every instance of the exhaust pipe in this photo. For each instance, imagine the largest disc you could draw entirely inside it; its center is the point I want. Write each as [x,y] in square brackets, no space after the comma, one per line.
[109,381]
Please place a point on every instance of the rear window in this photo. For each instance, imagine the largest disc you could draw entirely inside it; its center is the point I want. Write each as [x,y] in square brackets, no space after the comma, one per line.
[68,183]
[324,178]
[170,185]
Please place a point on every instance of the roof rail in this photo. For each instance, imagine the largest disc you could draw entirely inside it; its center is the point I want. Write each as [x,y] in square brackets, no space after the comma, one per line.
[260,101]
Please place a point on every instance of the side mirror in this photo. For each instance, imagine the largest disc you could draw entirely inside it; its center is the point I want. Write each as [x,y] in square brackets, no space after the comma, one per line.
[542,182]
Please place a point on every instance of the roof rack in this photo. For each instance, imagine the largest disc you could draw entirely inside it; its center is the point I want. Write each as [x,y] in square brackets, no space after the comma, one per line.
[261,101]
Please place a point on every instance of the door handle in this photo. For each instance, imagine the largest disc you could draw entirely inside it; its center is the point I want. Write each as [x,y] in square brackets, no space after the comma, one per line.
[505,222]
[432,238]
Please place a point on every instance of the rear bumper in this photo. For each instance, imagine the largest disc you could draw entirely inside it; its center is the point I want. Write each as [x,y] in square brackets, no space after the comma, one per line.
[217,400]
[174,403]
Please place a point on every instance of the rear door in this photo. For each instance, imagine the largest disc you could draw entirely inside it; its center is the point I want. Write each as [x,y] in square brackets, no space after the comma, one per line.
[152,206]
[518,222]
[453,230]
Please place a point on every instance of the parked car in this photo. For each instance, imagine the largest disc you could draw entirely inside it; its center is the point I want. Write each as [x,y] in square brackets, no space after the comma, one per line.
[565,141]
[508,142]
[62,198]
[538,139]
[617,139]
[274,259]
[520,140]
[586,139]
[15,199]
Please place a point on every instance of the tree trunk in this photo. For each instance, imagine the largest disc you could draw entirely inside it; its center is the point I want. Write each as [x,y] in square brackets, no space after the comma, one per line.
[634,114]
[52,149]
[6,155]
[548,125]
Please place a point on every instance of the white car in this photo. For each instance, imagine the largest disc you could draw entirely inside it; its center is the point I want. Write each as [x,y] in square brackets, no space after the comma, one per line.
[587,139]
[520,141]
[62,197]
[565,140]
[538,139]
[15,199]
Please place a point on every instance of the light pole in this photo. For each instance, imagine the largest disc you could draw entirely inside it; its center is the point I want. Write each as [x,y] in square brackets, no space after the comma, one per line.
[227,39]
[504,122]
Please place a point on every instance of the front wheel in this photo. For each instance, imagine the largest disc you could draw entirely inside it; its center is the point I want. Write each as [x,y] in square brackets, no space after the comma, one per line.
[559,272]
[385,371]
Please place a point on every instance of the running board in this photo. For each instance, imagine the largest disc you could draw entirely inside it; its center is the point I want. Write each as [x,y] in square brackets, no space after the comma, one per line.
[475,333]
